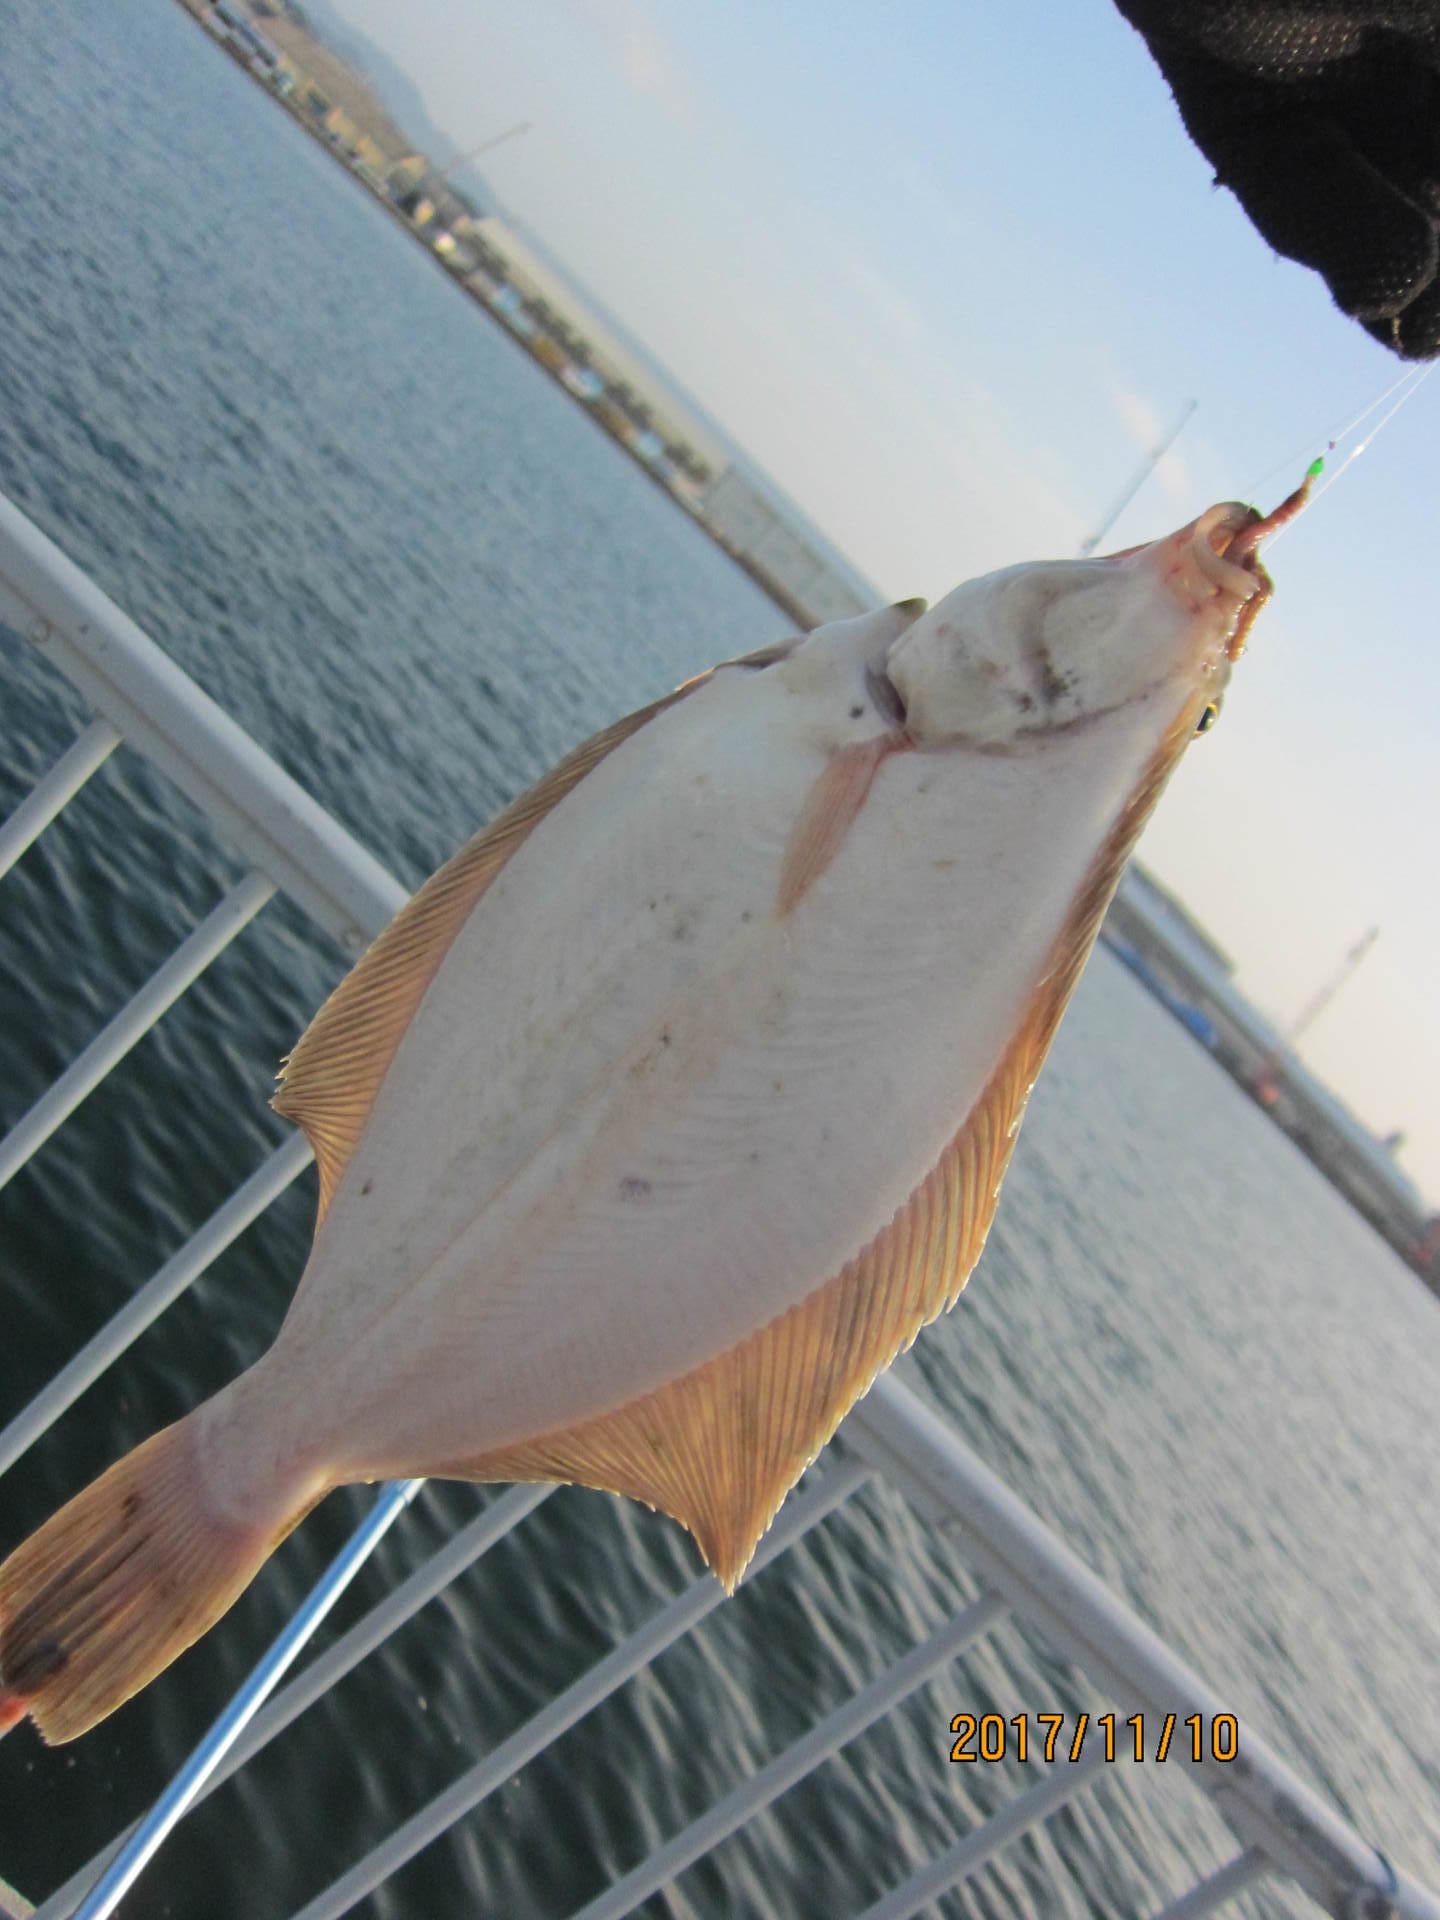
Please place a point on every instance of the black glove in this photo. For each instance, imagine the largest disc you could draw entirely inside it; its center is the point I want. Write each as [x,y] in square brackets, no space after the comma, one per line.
[1324,121]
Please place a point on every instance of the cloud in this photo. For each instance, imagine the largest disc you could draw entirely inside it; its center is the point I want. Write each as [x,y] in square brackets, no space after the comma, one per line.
[640,53]
[1147,430]
[912,463]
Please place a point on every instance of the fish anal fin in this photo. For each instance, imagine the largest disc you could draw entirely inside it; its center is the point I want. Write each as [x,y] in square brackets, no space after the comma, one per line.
[329,1082]
[719,1448]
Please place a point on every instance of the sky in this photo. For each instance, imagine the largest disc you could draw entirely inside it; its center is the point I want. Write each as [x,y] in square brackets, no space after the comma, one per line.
[949,272]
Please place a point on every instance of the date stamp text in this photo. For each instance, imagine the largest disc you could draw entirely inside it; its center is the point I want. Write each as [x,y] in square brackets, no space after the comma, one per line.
[1065,1736]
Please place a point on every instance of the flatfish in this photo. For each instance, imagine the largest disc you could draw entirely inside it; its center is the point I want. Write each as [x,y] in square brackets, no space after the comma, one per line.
[667,1113]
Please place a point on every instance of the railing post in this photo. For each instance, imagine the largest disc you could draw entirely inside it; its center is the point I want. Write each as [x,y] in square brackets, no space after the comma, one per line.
[175,1802]
[86,752]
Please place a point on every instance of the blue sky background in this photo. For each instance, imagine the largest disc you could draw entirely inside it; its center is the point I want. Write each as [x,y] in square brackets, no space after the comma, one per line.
[947,271]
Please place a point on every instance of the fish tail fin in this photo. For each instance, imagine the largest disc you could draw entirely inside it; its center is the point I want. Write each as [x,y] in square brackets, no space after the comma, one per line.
[122,1579]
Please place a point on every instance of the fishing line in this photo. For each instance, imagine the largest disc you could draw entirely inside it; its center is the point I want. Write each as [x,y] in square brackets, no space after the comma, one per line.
[1411,379]
[1383,421]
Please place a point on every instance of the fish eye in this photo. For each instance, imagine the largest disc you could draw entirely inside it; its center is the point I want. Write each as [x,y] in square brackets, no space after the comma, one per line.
[1208,718]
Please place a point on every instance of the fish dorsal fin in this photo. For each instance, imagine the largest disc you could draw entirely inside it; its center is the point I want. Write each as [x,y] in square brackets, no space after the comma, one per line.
[329,1082]
[719,1448]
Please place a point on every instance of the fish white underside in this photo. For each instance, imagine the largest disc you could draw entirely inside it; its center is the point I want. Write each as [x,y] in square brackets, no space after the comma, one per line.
[639,1115]
[671,1108]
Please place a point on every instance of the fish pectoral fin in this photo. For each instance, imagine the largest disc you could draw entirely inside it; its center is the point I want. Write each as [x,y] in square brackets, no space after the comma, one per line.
[329,1083]
[829,812]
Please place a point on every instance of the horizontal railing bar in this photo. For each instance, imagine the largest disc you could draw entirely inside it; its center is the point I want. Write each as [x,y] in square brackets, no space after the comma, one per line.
[1061,1782]
[603,1679]
[257,807]
[1051,1587]
[179,1795]
[458,1553]
[134,1020]
[227,1223]
[1216,1888]
[89,750]
[800,1758]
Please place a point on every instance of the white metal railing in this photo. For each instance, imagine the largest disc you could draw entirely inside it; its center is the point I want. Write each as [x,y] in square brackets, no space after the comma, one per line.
[293,846]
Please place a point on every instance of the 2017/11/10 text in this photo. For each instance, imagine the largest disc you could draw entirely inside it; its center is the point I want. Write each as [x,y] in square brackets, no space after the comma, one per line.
[989,1736]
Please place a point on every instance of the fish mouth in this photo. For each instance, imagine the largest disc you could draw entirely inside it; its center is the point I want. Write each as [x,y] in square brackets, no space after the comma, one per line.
[1219,568]
[1236,548]
[1210,571]
[1208,557]
[1222,544]
[1216,559]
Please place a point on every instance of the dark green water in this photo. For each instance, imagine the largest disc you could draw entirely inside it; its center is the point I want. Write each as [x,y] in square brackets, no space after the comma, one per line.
[263,422]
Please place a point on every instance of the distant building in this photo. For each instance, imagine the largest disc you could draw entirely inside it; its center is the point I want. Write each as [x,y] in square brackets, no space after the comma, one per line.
[1158,937]
[244,37]
[635,388]
[1141,895]
[771,537]
[780,546]
[509,304]
[334,94]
